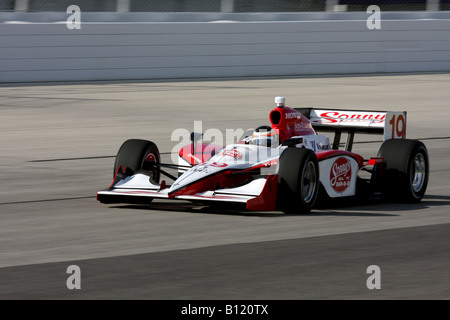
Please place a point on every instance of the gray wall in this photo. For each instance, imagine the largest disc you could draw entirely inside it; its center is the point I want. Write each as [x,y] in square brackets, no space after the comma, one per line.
[137,50]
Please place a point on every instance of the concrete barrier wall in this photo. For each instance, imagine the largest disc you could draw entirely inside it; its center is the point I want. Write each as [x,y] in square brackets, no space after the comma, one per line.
[135,50]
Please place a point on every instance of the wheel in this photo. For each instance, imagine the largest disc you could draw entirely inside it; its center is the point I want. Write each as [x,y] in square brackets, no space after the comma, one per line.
[139,155]
[405,178]
[298,180]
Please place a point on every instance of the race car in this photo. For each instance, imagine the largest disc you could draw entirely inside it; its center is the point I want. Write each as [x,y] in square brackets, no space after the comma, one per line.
[286,166]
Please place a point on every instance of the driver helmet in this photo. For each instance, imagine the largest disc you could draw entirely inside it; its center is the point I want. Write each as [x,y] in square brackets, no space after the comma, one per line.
[264,136]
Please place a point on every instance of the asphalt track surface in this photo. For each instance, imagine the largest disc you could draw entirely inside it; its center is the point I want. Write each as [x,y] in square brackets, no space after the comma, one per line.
[58,143]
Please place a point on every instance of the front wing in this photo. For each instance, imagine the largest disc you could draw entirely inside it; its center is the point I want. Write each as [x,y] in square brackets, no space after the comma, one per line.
[259,194]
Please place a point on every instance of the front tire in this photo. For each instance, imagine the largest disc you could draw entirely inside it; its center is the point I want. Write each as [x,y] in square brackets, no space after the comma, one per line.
[298,180]
[405,177]
[139,155]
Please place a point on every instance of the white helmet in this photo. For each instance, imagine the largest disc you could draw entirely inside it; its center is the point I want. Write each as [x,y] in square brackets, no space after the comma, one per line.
[264,136]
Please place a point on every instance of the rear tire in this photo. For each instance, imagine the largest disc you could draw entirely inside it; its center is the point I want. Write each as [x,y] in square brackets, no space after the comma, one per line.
[405,177]
[298,180]
[139,155]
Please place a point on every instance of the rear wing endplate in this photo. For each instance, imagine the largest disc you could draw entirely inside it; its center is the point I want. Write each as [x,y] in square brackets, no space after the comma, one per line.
[390,124]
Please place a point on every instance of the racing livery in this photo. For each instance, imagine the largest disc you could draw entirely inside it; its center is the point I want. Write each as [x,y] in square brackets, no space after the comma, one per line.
[285,166]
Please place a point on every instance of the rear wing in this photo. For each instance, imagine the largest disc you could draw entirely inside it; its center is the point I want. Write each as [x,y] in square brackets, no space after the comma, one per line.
[390,124]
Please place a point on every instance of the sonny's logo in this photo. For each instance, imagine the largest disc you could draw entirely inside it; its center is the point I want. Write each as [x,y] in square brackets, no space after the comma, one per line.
[341,174]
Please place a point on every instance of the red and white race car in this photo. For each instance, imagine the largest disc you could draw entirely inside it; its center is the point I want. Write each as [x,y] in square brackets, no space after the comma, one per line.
[285,166]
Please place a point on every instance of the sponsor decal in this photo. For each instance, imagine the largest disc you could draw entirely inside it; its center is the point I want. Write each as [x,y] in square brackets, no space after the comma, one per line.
[302,125]
[323,147]
[341,174]
[292,115]
[191,156]
[335,117]
[218,164]
[231,153]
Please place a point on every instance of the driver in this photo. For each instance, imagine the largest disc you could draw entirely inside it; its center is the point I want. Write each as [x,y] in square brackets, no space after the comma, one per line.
[264,136]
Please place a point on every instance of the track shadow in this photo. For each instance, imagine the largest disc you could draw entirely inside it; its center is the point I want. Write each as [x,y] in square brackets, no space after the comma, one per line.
[355,206]
[169,207]
[377,203]
[371,207]
[224,209]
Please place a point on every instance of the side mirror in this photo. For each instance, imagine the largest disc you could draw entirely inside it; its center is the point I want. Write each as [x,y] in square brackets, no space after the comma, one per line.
[195,136]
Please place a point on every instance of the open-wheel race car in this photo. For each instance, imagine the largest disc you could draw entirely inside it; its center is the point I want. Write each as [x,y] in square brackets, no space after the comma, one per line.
[285,166]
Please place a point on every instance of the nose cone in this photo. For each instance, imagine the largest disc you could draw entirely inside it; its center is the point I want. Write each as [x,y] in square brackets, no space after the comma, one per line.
[196,175]
[240,156]
[207,175]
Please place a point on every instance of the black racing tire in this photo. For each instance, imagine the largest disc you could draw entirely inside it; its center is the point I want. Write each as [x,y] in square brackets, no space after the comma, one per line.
[298,180]
[405,177]
[139,155]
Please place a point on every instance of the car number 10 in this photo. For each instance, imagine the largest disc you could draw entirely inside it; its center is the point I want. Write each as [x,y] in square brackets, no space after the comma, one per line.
[397,126]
